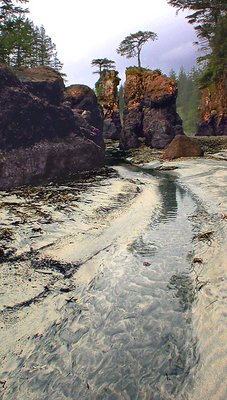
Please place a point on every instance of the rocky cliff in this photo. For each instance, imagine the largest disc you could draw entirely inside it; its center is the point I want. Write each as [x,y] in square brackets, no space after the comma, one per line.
[107,89]
[150,113]
[40,136]
[213,109]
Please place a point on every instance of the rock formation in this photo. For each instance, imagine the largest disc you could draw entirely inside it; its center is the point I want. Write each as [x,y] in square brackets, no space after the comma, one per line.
[182,146]
[150,113]
[108,98]
[45,161]
[213,109]
[87,113]
[42,82]
[34,131]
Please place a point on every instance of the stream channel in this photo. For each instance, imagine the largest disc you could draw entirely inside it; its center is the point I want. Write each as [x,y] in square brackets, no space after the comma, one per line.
[126,333]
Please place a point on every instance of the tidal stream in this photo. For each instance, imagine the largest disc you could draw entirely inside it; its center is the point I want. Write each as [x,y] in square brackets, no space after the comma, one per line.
[127,334]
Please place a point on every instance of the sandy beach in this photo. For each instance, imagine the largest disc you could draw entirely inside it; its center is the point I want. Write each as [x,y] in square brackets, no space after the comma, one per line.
[80,228]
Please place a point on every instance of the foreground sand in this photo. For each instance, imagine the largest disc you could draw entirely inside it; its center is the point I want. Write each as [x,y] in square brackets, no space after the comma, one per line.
[101,218]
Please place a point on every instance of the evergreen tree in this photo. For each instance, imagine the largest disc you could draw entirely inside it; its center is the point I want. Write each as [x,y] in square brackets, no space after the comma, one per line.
[9,13]
[172,74]
[188,99]
[132,45]
[210,20]
[103,64]
[21,43]
[22,40]
[10,19]
[206,14]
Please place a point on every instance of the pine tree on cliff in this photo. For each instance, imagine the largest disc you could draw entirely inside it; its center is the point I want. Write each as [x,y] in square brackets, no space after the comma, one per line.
[132,45]
[103,64]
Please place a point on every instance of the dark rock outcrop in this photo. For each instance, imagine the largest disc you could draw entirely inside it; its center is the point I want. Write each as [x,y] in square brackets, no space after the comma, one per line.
[40,140]
[213,109]
[150,113]
[83,101]
[47,161]
[107,87]
[25,119]
[182,146]
[43,82]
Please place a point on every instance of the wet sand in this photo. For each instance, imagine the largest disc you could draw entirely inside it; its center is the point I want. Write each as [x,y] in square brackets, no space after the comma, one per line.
[76,226]
[81,229]
[207,180]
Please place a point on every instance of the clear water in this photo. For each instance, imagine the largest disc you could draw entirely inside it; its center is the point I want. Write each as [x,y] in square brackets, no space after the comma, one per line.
[128,334]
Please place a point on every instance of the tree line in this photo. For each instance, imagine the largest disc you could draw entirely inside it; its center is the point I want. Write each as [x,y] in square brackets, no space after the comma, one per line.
[21,42]
[188,97]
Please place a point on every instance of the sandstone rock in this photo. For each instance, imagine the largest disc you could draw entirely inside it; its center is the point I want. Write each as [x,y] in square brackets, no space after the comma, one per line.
[182,146]
[107,87]
[150,99]
[83,101]
[47,161]
[213,109]
[43,82]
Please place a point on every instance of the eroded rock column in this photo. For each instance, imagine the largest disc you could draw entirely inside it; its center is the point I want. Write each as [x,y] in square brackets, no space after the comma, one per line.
[150,115]
[107,92]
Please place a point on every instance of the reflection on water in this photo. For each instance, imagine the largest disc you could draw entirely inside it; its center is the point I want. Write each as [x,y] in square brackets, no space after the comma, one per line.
[127,335]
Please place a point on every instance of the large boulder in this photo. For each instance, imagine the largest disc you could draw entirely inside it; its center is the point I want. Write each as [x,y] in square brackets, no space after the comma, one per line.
[43,82]
[45,161]
[182,146]
[150,113]
[83,101]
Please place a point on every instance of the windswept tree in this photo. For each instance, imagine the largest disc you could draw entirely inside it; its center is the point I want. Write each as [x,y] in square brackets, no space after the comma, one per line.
[102,64]
[132,45]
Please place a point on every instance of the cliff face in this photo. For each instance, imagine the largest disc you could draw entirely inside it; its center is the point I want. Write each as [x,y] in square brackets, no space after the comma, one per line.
[213,109]
[107,87]
[150,113]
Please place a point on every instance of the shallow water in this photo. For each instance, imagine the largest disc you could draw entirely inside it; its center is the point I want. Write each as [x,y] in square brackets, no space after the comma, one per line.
[128,333]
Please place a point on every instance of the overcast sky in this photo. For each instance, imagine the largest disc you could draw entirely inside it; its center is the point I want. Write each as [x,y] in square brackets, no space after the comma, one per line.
[87,29]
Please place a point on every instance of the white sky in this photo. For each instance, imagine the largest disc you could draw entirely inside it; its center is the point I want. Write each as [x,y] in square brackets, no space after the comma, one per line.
[86,29]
